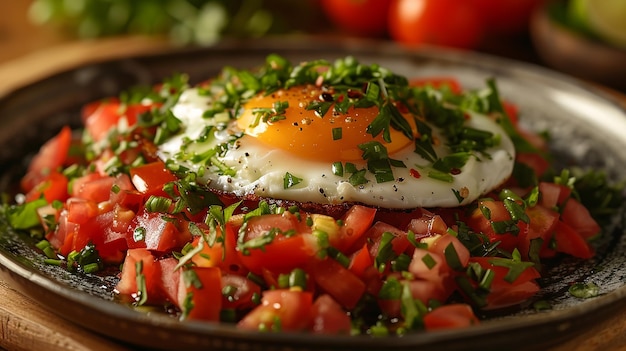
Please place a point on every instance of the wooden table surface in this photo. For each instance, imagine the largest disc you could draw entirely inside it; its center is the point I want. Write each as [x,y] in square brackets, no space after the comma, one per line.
[25,325]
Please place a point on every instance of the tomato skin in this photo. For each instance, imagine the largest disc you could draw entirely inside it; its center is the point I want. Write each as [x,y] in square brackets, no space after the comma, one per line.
[450,316]
[543,220]
[149,178]
[158,234]
[571,242]
[361,261]
[427,225]
[93,187]
[399,243]
[358,17]
[50,156]
[52,187]
[100,117]
[245,289]
[169,280]
[222,254]
[533,160]
[355,223]
[336,280]
[578,217]
[291,307]
[498,213]
[200,298]
[436,22]
[328,317]
[441,243]
[283,253]
[127,286]
[503,293]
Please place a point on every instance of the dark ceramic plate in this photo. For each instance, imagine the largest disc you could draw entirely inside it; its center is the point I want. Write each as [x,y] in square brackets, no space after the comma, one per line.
[587,127]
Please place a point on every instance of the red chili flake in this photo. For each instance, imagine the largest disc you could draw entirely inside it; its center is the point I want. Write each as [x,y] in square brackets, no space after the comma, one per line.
[467,116]
[415,173]
[455,171]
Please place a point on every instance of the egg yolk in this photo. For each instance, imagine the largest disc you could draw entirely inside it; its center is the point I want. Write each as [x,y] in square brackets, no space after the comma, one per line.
[333,137]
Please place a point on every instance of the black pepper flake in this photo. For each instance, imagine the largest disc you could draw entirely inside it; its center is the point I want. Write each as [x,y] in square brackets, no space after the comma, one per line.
[247,154]
[326,97]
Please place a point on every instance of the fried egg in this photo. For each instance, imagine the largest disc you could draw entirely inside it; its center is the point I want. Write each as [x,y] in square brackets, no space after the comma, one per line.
[305,157]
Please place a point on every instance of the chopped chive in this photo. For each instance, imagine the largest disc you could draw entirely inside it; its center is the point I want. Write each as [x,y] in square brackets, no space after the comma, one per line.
[337,169]
[289,180]
[337,133]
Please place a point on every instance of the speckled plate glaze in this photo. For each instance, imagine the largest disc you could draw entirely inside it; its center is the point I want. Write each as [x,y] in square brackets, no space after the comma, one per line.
[587,127]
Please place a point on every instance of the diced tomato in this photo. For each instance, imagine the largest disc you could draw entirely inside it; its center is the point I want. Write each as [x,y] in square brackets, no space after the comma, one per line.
[99,118]
[497,214]
[280,310]
[289,248]
[504,293]
[336,280]
[428,291]
[429,266]
[200,293]
[93,186]
[51,156]
[400,242]
[361,261]
[80,211]
[533,160]
[443,244]
[427,225]
[223,253]
[58,237]
[553,195]
[438,82]
[577,216]
[328,317]
[169,280]
[355,223]
[542,223]
[241,292]
[450,316]
[123,192]
[571,242]
[156,231]
[139,263]
[52,187]
[150,178]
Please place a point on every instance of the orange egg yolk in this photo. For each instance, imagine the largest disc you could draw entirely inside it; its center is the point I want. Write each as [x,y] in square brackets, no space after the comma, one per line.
[304,133]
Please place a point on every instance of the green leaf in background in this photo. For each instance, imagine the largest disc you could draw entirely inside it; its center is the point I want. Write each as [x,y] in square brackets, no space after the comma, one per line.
[183,21]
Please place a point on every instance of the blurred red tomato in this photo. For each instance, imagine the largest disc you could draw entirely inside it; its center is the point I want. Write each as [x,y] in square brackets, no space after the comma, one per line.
[358,17]
[506,17]
[454,23]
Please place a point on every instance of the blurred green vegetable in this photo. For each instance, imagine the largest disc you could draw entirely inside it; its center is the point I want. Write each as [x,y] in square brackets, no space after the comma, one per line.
[601,20]
[184,21]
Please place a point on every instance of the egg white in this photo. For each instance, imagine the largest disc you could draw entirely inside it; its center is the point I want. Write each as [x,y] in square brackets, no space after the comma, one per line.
[260,169]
